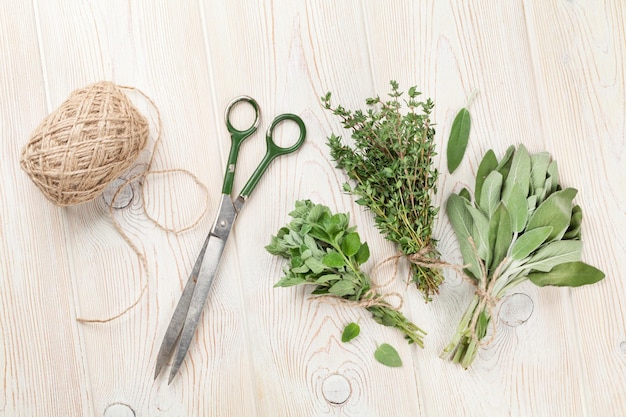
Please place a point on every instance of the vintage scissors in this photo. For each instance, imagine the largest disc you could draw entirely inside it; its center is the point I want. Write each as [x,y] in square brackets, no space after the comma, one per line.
[187,313]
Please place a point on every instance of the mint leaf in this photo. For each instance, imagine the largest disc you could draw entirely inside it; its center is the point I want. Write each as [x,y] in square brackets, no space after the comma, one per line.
[351,331]
[388,356]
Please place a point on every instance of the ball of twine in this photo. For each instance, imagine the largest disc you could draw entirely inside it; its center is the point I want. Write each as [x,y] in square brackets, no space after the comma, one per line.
[81,147]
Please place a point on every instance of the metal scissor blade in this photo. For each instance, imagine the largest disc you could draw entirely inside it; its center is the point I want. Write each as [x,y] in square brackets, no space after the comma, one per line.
[200,293]
[180,313]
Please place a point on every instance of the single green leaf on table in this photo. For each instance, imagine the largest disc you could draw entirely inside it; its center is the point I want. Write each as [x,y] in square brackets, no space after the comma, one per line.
[569,274]
[351,331]
[465,194]
[388,356]
[459,136]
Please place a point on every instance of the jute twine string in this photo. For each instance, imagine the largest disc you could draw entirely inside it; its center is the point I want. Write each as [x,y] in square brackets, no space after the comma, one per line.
[483,290]
[80,149]
[371,298]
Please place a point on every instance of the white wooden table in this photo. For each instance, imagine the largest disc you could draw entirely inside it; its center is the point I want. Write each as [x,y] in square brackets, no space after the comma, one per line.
[550,74]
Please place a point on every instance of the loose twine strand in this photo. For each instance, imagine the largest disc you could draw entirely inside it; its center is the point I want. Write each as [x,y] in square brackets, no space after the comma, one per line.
[142,178]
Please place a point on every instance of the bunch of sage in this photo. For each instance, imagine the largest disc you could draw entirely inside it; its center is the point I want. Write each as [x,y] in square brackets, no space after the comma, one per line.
[391,165]
[324,251]
[521,225]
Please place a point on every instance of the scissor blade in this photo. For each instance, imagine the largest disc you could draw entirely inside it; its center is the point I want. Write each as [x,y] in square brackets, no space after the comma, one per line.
[203,285]
[180,313]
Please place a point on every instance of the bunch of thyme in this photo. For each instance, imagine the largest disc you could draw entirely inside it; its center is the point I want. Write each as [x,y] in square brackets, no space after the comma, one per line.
[391,164]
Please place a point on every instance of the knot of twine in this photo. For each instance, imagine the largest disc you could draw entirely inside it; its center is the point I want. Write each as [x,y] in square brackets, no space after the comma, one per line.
[371,297]
[484,285]
[86,144]
[79,149]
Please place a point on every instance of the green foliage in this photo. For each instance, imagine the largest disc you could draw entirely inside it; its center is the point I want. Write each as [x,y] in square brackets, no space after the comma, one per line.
[324,251]
[522,226]
[391,165]
[351,331]
[459,136]
[388,355]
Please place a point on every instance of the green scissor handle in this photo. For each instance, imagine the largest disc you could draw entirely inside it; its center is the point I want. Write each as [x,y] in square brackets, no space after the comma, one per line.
[274,151]
[237,137]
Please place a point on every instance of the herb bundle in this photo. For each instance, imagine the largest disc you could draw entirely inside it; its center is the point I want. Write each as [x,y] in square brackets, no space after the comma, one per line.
[391,165]
[324,251]
[521,226]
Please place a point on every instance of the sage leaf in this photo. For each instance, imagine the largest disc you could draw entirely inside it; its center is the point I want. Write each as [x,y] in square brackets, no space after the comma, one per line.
[465,194]
[488,164]
[555,253]
[553,172]
[462,222]
[520,170]
[538,169]
[459,136]
[555,211]
[529,242]
[504,166]
[351,244]
[516,203]
[573,231]
[388,356]
[342,288]
[351,331]
[480,233]
[569,274]
[500,234]
[491,193]
[333,260]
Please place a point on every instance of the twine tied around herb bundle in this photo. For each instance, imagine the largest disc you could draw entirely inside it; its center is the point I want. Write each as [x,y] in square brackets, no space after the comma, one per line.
[371,297]
[483,291]
[78,150]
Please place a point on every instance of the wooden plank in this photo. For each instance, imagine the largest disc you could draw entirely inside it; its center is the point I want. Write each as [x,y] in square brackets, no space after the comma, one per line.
[449,50]
[582,92]
[41,353]
[287,55]
[158,48]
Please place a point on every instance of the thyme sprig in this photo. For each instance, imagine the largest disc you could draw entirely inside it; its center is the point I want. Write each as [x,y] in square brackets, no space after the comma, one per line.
[391,165]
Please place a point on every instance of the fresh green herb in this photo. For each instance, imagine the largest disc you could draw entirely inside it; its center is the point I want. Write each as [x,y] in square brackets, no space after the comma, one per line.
[324,251]
[351,331]
[388,356]
[521,226]
[391,164]
[459,136]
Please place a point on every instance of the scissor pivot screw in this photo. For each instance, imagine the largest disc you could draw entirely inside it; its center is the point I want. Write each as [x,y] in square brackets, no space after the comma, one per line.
[223,223]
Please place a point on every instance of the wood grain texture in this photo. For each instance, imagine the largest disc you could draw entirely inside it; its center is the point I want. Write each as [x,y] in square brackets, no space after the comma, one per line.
[551,76]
